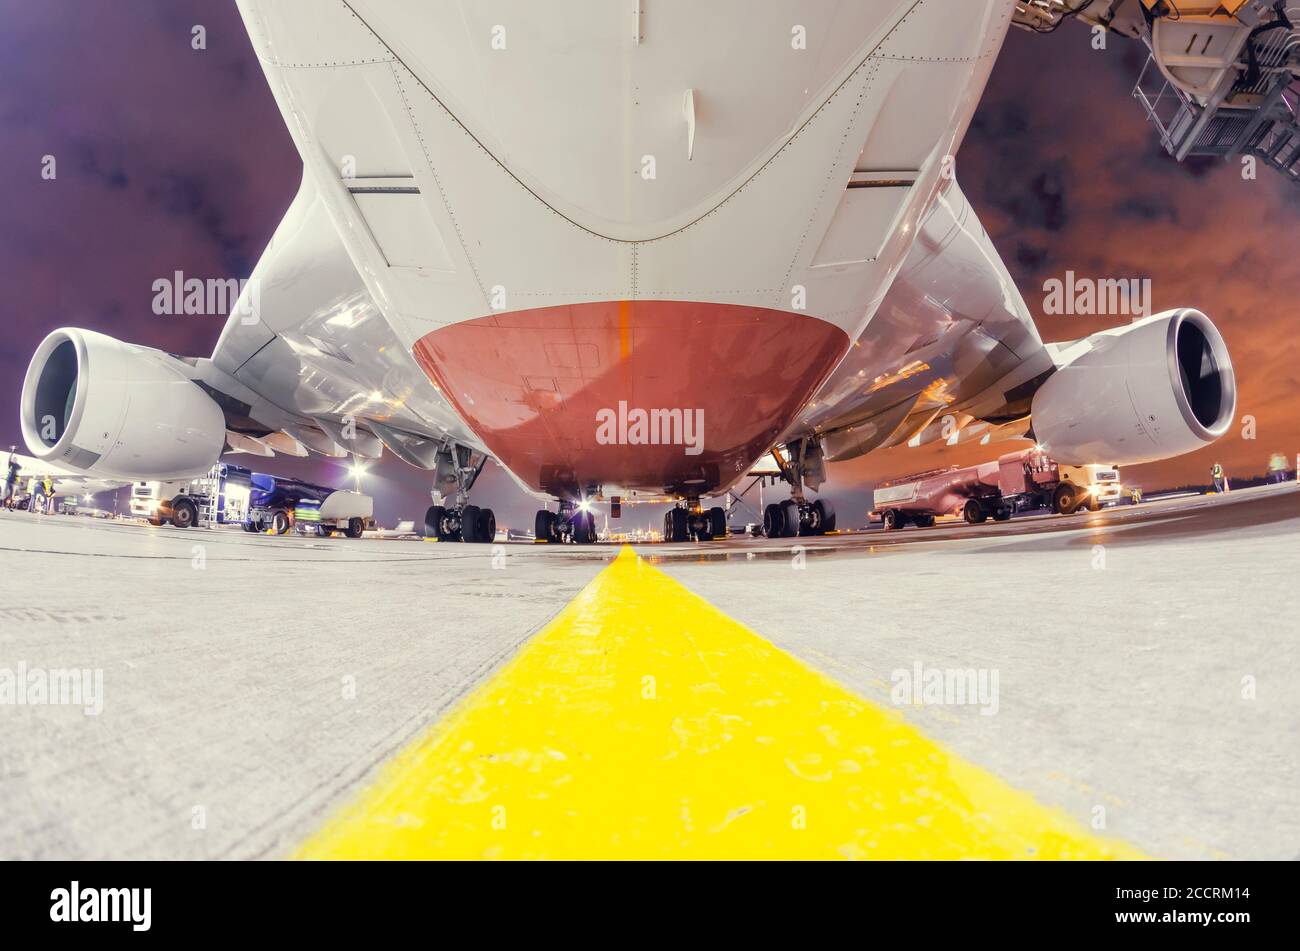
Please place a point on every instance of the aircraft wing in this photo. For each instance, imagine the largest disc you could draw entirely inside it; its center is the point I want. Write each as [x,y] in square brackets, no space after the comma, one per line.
[951,353]
[307,361]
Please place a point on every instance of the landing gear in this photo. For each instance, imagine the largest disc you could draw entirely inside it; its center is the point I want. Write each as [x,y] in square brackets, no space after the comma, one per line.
[451,518]
[568,525]
[800,462]
[468,524]
[689,522]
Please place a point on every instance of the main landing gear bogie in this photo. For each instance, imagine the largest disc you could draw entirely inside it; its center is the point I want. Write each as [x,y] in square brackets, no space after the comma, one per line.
[469,523]
[567,525]
[683,524]
[791,518]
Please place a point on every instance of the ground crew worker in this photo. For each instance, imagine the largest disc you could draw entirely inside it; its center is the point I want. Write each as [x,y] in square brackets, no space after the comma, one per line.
[1220,480]
[11,480]
[31,494]
[47,486]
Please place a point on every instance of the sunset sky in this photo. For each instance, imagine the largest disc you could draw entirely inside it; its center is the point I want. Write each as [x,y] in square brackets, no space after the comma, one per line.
[174,159]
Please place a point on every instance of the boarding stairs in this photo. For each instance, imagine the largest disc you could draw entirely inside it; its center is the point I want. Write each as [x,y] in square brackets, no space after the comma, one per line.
[1226,86]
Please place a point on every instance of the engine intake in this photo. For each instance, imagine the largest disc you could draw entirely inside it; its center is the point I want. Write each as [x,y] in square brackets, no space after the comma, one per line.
[1156,388]
[103,406]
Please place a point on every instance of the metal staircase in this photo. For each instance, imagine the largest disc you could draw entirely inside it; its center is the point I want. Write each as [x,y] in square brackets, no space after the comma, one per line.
[1222,78]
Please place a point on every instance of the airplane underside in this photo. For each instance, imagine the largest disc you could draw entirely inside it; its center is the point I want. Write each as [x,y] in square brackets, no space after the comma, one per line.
[626,267]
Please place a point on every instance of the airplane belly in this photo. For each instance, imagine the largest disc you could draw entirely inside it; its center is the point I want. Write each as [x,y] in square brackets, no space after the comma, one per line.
[675,397]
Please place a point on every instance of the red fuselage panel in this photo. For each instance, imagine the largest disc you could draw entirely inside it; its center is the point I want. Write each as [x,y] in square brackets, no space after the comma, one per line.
[657,396]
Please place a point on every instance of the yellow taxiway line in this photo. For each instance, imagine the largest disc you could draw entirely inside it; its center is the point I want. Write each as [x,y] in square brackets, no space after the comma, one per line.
[644,723]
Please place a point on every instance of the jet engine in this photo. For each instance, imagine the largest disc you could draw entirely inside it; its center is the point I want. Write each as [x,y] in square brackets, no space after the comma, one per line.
[103,406]
[1155,388]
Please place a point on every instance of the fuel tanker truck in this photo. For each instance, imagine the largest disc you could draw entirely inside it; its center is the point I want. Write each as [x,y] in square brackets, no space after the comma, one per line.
[279,505]
[1025,479]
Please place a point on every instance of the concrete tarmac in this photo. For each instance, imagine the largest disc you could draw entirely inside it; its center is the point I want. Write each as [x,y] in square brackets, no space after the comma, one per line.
[1146,664]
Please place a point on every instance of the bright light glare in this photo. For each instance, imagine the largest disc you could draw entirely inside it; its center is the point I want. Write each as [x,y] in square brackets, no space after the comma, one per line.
[584,506]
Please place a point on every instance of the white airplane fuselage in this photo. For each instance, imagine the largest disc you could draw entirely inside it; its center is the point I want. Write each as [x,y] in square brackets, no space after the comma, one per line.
[591,228]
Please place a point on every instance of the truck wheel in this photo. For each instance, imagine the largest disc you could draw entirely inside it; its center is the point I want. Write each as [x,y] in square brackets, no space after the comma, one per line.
[183,513]
[155,520]
[973,513]
[924,521]
[1064,499]
[892,519]
[469,523]
[1093,504]
[355,527]
[1001,514]
[280,522]
[248,526]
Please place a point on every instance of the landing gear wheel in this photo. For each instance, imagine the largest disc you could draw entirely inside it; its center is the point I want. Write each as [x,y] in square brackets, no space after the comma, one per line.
[773,521]
[678,525]
[433,517]
[1064,499]
[584,529]
[790,513]
[892,519]
[355,527]
[469,523]
[280,522]
[487,525]
[544,527]
[821,518]
[973,513]
[184,514]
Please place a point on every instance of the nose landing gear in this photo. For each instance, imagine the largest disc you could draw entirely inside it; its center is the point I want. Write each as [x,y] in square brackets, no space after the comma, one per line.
[569,524]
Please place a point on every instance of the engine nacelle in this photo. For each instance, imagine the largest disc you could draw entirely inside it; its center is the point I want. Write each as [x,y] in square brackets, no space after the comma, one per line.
[1156,388]
[114,409]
